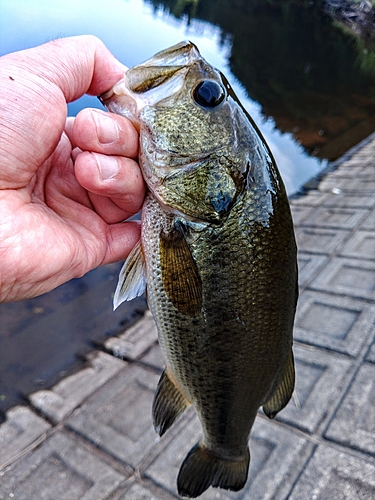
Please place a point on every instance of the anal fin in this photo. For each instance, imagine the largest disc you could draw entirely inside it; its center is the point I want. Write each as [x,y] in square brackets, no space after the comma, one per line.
[132,278]
[168,404]
[283,392]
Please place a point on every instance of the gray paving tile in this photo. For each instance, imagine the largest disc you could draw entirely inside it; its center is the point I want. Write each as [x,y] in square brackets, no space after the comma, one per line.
[335,217]
[312,198]
[21,431]
[117,418]
[320,377]
[320,240]
[59,469]
[360,246]
[308,267]
[331,475]
[349,200]
[361,184]
[354,423]
[371,352]
[368,170]
[70,392]
[369,223]
[300,212]
[341,324]
[144,491]
[277,457]
[348,277]
[154,357]
[349,168]
[358,166]
[134,341]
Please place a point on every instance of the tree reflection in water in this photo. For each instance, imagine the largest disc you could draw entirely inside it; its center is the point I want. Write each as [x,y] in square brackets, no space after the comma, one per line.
[313,78]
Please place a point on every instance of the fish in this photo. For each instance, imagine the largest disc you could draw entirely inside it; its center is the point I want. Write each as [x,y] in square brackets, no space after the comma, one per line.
[217,256]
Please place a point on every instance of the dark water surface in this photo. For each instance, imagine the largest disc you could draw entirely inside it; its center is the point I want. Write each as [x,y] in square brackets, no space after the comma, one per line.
[43,338]
[309,86]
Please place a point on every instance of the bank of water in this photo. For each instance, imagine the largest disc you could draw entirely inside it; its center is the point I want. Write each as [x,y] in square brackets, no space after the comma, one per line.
[308,84]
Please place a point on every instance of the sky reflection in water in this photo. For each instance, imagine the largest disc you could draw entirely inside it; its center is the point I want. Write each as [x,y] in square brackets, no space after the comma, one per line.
[133,31]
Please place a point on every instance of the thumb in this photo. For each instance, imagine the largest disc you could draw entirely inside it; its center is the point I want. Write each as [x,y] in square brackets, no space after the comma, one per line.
[36,85]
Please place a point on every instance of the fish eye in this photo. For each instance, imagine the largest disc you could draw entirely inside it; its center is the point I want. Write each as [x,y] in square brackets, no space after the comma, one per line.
[209,94]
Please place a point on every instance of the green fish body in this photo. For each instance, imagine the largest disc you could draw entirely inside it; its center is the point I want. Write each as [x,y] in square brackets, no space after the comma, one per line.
[218,255]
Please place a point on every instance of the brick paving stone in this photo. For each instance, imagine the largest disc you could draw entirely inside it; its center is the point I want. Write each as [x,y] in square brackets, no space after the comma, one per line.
[301,212]
[308,267]
[369,223]
[320,240]
[341,324]
[348,169]
[371,352]
[359,185]
[360,246]
[154,358]
[320,378]
[70,392]
[144,491]
[319,447]
[354,423]
[353,169]
[333,475]
[134,341]
[350,277]
[312,198]
[59,469]
[21,431]
[335,217]
[117,418]
[277,457]
[350,201]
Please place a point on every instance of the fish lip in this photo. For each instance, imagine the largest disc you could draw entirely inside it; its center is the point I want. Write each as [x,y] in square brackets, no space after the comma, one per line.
[119,100]
[122,100]
[181,54]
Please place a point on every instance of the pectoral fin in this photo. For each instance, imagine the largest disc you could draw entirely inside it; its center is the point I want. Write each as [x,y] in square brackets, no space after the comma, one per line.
[132,278]
[181,279]
[168,404]
[284,390]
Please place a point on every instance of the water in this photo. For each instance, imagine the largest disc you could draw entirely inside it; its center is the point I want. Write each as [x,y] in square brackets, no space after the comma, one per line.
[120,24]
[308,85]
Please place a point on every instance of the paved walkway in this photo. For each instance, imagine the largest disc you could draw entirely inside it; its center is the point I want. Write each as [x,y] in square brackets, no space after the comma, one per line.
[91,436]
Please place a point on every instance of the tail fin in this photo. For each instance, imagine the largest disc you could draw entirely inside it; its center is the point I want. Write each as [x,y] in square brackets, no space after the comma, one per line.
[203,468]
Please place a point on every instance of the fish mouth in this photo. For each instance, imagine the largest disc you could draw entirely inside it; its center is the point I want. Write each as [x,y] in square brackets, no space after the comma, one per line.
[122,100]
[119,101]
[152,81]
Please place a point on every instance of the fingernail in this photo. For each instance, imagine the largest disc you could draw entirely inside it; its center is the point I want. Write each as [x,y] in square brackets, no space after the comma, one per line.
[108,166]
[106,127]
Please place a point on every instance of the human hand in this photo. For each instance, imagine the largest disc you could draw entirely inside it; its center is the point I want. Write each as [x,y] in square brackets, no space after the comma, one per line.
[66,185]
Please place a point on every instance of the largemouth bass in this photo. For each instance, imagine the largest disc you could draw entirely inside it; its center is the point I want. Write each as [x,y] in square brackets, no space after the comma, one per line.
[218,255]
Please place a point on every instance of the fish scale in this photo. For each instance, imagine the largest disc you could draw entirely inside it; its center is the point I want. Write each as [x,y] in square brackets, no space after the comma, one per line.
[218,257]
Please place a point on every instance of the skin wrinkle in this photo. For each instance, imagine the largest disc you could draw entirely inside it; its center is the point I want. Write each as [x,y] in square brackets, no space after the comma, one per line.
[41,87]
[29,148]
[52,229]
[61,241]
